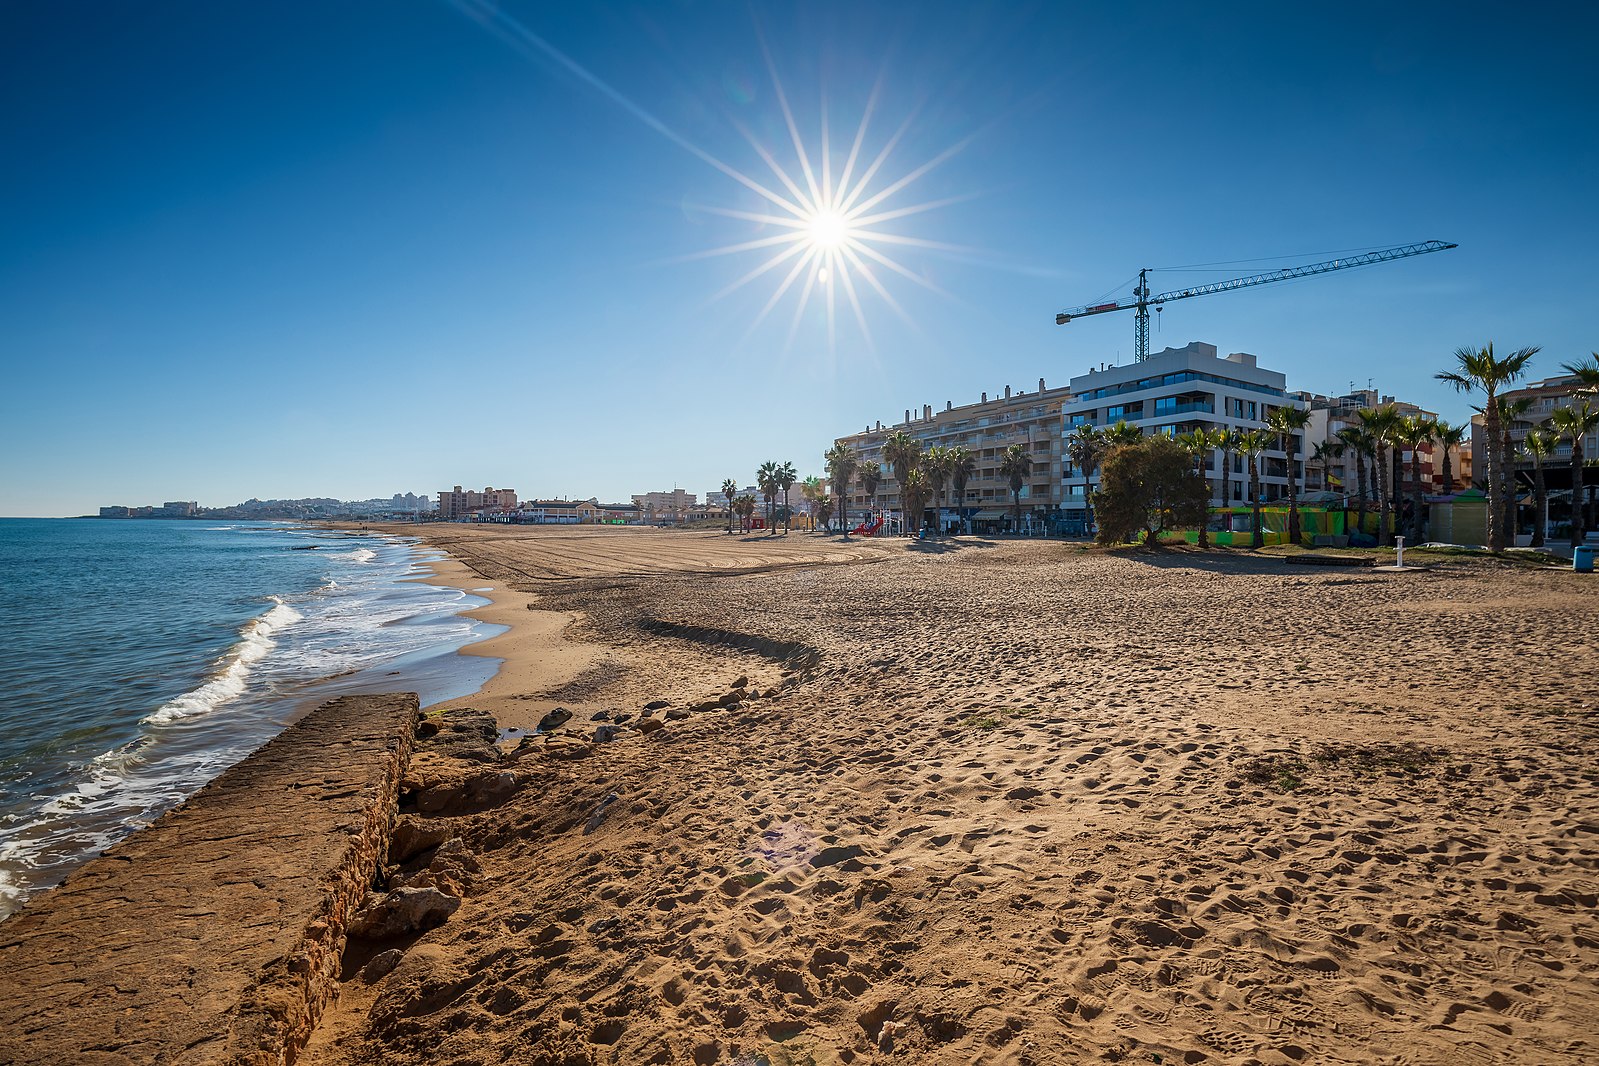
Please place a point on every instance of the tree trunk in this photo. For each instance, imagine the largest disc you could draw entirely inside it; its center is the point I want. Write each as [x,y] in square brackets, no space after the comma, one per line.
[1360,486]
[1257,539]
[1496,488]
[1379,475]
[1578,533]
[1293,491]
[1415,494]
[1396,484]
[1540,504]
[1507,453]
[1449,473]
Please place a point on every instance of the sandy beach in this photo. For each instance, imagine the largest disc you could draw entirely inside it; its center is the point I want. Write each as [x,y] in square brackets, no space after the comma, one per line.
[1012,802]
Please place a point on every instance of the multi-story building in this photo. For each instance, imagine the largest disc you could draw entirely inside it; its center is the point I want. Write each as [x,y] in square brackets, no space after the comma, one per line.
[1533,404]
[459,504]
[1336,469]
[678,502]
[1175,391]
[986,429]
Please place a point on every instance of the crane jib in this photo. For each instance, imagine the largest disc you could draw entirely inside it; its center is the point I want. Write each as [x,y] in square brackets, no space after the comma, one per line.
[1141,329]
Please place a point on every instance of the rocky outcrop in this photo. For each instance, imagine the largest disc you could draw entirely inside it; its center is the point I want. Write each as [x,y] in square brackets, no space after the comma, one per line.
[215,936]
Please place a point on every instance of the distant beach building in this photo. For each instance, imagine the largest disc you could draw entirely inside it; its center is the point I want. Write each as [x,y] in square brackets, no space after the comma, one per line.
[985,428]
[1175,391]
[116,512]
[559,512]
[458,504]
[675,504]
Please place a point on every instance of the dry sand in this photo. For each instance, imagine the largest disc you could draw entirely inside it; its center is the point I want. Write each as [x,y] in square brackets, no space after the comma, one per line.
[1031,803]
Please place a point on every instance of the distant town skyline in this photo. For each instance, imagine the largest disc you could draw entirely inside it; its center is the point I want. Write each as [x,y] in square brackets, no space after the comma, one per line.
[593,249]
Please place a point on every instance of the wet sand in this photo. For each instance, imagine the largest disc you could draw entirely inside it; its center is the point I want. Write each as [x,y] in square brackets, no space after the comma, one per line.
[1027,802]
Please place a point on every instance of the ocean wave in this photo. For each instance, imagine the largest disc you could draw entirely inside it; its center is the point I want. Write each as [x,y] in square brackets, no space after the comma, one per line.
[360,555]
[228,683]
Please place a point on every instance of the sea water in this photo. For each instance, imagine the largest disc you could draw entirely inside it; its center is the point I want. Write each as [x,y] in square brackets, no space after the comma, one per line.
[141,658]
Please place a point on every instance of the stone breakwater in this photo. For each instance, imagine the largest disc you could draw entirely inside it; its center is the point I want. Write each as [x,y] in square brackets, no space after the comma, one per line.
[215,935]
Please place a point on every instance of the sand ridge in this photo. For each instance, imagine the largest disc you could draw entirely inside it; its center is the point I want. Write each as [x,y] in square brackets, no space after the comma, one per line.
[1035,805]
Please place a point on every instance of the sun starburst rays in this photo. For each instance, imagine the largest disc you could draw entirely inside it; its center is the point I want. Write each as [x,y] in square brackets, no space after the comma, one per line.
[828,220]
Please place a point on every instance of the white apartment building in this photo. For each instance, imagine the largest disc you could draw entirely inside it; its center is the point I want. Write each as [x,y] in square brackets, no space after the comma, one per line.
[1172,392]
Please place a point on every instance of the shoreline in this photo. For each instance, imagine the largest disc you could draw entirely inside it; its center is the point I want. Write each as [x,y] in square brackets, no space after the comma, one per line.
[533,652]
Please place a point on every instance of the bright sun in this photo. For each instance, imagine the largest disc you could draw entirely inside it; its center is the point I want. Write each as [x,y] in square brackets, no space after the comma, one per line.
[828,229]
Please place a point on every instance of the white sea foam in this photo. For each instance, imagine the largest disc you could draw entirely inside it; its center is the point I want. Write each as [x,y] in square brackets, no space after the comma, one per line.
[233,670]
[360,555]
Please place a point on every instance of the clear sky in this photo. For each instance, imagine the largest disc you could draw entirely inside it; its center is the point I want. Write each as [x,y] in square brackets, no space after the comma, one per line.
[359,248]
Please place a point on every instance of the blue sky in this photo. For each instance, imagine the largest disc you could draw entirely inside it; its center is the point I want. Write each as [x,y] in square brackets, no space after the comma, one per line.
[361,248]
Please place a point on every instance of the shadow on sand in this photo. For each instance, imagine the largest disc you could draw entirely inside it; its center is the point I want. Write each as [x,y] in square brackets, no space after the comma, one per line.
[1216,561]
[945,545]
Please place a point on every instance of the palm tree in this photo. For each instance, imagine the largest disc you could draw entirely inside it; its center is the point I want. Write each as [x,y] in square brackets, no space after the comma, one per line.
[1483,370]
[1449,438]
[1226,439]
[744,507]
[900,452]
[786,476]
[1285,422]
[1016,465]
[1252,443]
[1381,424]
[729,490]
[841,466]
[935,464]
[1123,432]
[1357,440]
[871,476]
[1539,445]
[1510,414]
[1575,422]
[914,491]
[962,465]
[1414,431]
[766,481]
[1586,372]
[1198,444]
[1085,447]
[814,489]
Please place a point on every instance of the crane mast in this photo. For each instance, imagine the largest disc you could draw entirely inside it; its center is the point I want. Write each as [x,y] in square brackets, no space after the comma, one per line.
[1141,301]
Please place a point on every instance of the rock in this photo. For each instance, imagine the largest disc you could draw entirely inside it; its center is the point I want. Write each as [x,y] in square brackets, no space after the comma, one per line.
[736,705]
[771,692]
[601,716]
[402,911]
[751,694]
[655,705]
[467,734]
[441,792]
[729,698]
[381,964]
[605,734]
[413,836]
[677,714]
[650,725]
[600,811]
[702,705]
[1024,792]
[741,682]
[619,717]
[555,719]
[427,727]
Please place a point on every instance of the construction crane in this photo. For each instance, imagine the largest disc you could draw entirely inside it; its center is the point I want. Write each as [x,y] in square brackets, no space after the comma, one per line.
[1142,299]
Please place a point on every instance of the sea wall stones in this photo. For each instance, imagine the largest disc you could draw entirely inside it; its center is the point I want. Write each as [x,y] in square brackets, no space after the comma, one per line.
[215,936]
